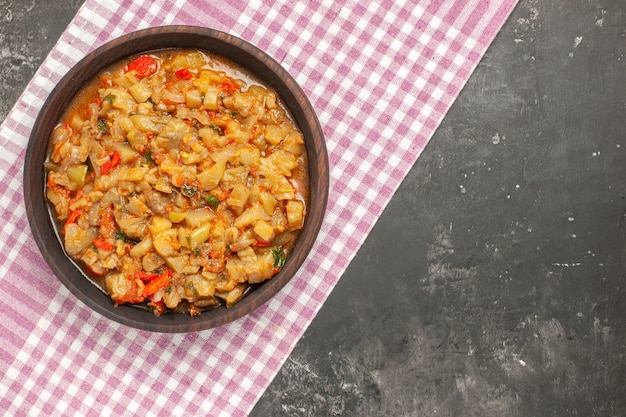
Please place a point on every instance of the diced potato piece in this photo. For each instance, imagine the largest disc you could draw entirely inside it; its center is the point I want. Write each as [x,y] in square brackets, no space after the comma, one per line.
[132,173]
[254,272]
[250,156]
[239,102]
[159,224]
[211,177]
[283,161]
[175,129]
[207,78]
[238,196]
[210,137]
[166,242]
[137,139]
[123,100]
[169,166]
[141,248]
[193,99]
[171,298]
[294,143]
[200,235]
[237,175]
[251,215]
[162,184]
[140,92]
[274,134]
[176,217]
[54,197]
[282,189]
[181,265]
[264,230]
[151,261]
[126,152]
[123,289]
[211,98]
[144,123]
[232,296]
[179,61]
[268,202]
[136,207]
[126,80]
[77,174]
[197,285]
[133,226]
[78,239]
[295,214]
[194,218]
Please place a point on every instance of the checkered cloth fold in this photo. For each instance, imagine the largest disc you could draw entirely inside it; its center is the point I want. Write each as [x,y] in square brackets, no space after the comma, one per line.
[381,76]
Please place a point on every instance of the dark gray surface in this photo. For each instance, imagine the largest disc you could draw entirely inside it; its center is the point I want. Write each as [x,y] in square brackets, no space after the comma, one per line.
[492,284]
[28,31]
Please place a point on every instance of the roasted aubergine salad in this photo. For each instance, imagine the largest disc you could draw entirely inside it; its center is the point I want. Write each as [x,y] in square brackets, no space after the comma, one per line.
[178,181]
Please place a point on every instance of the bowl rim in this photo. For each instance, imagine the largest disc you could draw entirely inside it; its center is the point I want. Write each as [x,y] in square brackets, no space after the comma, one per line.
[220,43]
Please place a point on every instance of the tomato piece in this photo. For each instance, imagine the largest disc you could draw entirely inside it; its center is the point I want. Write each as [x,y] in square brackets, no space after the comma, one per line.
[183,74]
[108,166]
[229,86]
[162,281]
[102,244]
[146,276]
[143,66]
[71,219]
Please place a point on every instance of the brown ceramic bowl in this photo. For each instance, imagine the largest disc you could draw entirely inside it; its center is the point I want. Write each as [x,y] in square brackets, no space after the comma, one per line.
[230,47]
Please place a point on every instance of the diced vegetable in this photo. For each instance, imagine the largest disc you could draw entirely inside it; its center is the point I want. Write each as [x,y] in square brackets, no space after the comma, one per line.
[143,66]
[176,183]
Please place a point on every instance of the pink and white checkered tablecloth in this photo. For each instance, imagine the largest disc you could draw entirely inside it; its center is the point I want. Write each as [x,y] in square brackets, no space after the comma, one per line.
[381,76]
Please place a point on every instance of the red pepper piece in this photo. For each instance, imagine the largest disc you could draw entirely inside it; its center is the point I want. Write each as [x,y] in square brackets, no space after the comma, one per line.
[162,281]
[143,66]
[102,244]
[71,219]
[183,74]
[146,276]
[229,86]
[109,165]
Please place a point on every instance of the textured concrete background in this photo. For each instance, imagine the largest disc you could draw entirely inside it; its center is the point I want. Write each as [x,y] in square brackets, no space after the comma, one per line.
[493,283]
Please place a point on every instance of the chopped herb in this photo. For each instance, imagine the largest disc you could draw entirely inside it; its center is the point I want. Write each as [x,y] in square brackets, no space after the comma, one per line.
[279,258]
[189,190]
[148,156]
[121,236]
[109,97]
[196,251]
[233,114]
[192,288]
[149,100]
[216,128]
[102,126]
[212,201]
[168,290]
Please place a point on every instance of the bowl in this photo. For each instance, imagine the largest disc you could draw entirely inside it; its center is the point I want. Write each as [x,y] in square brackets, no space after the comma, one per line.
[241,53]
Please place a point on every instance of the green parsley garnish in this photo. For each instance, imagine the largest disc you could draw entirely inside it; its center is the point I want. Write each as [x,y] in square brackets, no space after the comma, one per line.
[109,98]
[102,126]
[121,236]
[216,128]
[148,156]
[212,201]
[279,257]
[189,190]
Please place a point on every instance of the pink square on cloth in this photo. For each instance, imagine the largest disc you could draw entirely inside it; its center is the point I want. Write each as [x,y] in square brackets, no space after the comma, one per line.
[381,76]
